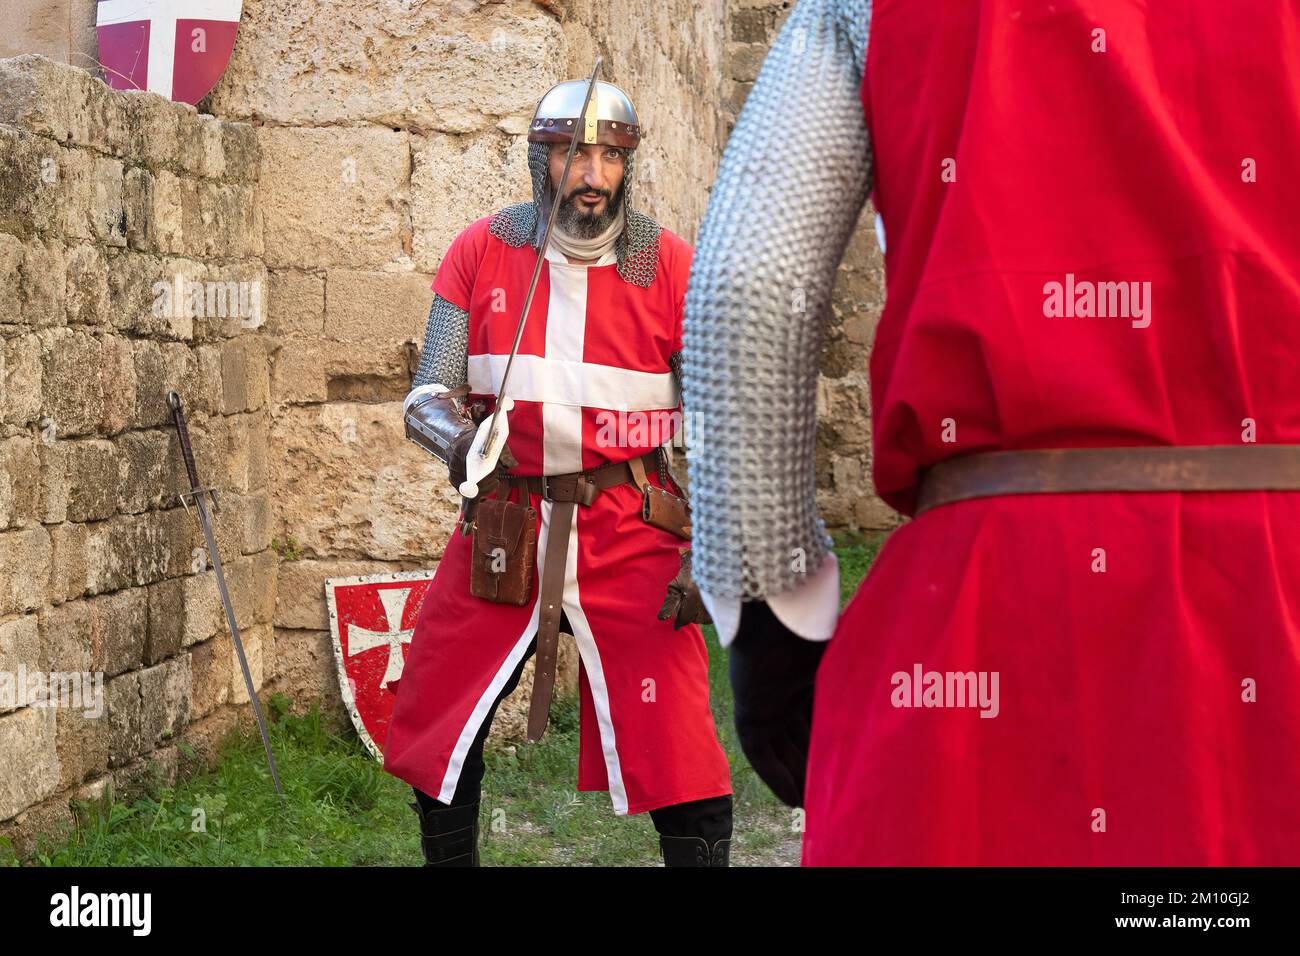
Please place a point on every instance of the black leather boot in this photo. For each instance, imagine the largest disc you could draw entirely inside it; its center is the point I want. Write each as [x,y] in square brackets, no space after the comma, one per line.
[694,851]
[449,835]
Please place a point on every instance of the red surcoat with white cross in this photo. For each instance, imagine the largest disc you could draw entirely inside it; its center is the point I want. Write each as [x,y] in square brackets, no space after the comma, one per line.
[591,384]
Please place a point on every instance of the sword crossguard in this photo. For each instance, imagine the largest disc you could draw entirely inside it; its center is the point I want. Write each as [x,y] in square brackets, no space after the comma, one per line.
[194,493]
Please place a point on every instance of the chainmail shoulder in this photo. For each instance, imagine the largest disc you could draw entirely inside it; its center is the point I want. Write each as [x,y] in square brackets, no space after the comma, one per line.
[445,357]
[637,249]
[757,303]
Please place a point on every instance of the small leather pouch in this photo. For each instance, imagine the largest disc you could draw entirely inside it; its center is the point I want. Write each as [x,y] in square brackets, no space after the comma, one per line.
[505,552]
[660,508]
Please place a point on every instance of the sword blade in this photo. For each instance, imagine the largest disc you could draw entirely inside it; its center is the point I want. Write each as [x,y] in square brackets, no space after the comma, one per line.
[198,493]
[537,266]
[206,524]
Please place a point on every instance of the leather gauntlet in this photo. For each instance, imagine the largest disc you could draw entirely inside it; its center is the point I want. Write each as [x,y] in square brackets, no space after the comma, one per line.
[683,603]
[440,424]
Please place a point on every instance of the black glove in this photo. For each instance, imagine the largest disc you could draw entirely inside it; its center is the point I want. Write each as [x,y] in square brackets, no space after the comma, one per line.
[683,603]
[459,452]
[772,672]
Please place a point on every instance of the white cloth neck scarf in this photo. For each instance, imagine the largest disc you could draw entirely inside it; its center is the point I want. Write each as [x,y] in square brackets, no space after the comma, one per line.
[595,248]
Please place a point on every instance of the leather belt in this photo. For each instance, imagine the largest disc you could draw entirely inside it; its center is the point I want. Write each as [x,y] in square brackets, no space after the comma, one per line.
[564,491]
[1246,467]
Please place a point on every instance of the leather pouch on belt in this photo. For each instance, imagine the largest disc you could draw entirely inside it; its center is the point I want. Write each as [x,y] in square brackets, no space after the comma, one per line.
[661,508]
[505,552]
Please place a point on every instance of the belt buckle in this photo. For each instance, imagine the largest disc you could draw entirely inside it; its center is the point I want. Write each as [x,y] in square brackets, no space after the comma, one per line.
[546,488]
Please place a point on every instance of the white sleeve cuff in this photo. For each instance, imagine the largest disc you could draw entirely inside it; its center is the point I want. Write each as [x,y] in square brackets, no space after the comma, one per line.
[811,610]
[433,388]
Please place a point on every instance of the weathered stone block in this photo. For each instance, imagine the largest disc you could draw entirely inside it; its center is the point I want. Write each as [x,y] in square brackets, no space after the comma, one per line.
[83,739]
[72,392]
[252,640]
[357,177]
[20,471]
[126,550]
[212,668]
[166,219]
[296,304]
[242,153]
[403,511]
[151,296]
[375,307]
[86,294]
[67,639]
[259,429]
[164,700]
[487,171]
[20,647]
[305,670]
[244,374]
[68,566]
[298,374]
[233,302]
[166,630]
[108,212]
[124,738]
[204,613]
[266,577]
[23,372]
[24,570]
[117,378]
[11,276]
[33,184]
[44,279]
[29,754]
[470,63]
[145,470]
[160,368]
[257,523]
[300,590]
[119,625]
[92,479]
[138,204]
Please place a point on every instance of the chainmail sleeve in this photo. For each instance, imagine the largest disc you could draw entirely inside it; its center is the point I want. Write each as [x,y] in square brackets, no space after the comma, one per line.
[445,357]
[793,180]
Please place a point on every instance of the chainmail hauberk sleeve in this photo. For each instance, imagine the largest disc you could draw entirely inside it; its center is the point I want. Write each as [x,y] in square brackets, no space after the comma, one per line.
[793,180]
[445,357]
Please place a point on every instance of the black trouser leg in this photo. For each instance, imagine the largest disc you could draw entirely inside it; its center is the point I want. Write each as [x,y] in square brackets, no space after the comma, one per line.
[697,833]
[449,832]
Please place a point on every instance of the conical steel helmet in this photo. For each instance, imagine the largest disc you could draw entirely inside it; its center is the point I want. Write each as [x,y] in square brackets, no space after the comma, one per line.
[610,120]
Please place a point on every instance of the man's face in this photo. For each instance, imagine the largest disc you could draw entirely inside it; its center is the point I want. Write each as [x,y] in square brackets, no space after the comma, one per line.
[593,193]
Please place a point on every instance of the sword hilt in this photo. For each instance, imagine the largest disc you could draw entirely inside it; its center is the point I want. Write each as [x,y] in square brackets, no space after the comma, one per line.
[183,433]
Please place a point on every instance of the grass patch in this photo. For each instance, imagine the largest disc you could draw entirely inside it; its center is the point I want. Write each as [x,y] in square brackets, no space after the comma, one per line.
[343,810]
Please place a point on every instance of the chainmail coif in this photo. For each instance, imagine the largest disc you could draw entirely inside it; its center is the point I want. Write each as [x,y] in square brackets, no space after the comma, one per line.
[792,183]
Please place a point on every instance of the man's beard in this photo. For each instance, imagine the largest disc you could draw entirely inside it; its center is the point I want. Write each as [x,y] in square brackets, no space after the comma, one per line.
[589,225]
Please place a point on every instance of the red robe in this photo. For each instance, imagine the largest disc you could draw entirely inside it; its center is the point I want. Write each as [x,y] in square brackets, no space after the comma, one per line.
[591,385]
[1147,646]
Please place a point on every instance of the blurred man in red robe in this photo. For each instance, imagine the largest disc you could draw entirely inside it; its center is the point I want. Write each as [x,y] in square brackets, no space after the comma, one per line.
[1085,648]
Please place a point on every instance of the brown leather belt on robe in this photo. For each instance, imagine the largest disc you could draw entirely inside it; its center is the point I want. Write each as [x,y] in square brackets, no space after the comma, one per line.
[1246,467]
[564,491]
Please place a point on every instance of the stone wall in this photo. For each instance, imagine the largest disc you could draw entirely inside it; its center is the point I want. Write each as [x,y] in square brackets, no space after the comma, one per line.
[103,195]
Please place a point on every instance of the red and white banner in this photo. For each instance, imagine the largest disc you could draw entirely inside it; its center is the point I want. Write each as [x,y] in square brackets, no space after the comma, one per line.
[178,48]
[372,619]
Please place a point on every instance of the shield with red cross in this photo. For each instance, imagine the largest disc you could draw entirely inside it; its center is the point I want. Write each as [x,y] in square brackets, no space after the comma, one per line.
[371,621]
[177,48]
